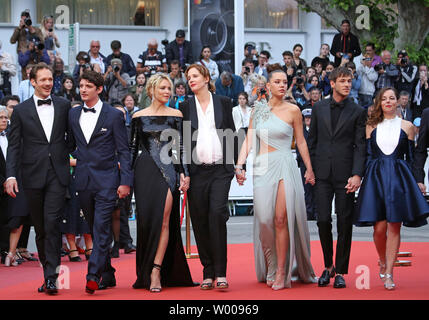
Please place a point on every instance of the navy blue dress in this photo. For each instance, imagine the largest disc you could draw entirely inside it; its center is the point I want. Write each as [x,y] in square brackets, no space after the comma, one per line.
[389,190]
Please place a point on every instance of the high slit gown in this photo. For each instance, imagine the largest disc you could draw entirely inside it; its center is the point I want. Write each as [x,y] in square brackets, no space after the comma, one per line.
[269,169]
[156,170]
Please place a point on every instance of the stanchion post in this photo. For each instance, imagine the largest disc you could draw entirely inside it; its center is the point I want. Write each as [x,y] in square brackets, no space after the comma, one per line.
[188,253]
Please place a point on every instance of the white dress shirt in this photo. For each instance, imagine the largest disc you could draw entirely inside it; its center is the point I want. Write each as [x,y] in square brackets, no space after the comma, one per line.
[241,119]
[3,145]
[209,149]
[88,120]
[46,116]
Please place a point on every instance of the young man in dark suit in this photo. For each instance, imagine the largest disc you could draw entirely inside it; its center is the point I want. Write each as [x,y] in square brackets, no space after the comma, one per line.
[101,142]
[4,230]
[38,138]
[337,148]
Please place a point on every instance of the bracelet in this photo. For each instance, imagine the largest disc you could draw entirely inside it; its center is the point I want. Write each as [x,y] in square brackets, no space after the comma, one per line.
[238,167]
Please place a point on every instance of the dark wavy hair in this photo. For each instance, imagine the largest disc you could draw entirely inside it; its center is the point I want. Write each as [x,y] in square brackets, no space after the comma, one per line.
[376,116]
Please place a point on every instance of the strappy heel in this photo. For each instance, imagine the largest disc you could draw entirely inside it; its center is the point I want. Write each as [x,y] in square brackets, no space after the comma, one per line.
[382,266]
[74,259]
[156,289]
[87,255]
[11,260]
[389,286]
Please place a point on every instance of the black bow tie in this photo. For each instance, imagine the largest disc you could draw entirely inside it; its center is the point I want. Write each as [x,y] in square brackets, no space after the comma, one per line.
[3,134]
[335,104]
[42,102]
[85,109]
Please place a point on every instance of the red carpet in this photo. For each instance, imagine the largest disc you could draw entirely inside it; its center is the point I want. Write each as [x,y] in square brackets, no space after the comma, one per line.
[412,282]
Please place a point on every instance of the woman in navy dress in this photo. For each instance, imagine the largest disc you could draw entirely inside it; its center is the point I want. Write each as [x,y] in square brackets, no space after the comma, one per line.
[389,195]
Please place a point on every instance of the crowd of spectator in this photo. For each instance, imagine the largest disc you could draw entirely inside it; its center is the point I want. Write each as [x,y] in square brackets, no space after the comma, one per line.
[125,80]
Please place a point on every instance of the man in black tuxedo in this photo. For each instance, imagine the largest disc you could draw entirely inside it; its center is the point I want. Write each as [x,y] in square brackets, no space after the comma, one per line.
[211,170]
[101,141]
[421,151]
[180,50]
[38,138]
[4,231]
[336,143]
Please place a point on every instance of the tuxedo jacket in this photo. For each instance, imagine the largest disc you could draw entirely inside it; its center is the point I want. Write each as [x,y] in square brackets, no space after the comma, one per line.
[30,149]
[97,161]
[420,153]
[223,120]
[341,151]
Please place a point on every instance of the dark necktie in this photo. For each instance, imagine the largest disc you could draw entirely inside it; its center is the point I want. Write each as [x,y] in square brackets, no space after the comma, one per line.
[3,133]
[88,109]
[42,102]
[336,109]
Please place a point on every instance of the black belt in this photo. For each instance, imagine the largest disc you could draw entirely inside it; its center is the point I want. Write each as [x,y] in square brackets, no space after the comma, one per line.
[209,165]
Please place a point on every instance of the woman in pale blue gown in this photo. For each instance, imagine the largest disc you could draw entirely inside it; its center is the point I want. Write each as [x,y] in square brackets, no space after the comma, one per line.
[281,236]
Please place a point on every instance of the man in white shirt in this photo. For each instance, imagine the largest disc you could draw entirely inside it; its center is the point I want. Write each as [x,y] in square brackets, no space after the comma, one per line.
[96,56]
[38,141]
[101,141]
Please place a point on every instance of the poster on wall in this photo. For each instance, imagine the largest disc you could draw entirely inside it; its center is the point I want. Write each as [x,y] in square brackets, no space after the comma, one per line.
[212,24]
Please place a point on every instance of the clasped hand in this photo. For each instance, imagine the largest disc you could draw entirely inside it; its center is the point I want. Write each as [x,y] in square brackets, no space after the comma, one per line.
[353,184]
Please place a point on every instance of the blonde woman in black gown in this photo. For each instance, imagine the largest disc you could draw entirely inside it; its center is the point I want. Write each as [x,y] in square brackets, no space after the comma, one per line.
[159,176]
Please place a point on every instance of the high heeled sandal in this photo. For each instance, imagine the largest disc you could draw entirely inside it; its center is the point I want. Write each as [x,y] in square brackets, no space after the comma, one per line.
[281,286]
[87,255]
[24,254]
[382,266]
[156,289]
[10,260]
[389,286]
[74,259]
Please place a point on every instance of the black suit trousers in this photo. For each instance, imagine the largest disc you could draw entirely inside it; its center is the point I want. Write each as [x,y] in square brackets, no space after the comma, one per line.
[208,200]
[46,206]
[325,189]
[97,207]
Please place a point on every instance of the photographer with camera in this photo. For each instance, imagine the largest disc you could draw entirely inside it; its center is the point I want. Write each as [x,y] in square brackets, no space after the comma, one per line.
[84,64]
[297,89]
[388,73]
[127,63]
[263,58]
[116,81]
[247,71]
[47,28]
[34,54]
[151,61]
[408,72]
[368,78]
[7,70]
[24,32]
[259,90]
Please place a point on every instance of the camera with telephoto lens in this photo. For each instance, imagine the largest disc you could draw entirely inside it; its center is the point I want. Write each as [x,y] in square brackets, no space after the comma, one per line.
[116,68]
[404,61]
[262,91]
[379,67]
[299,79]
[27,20]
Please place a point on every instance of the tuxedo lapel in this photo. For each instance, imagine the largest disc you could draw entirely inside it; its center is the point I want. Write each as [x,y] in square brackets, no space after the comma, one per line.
[32,112]
[76,122]
[217,106]
[100,121]
[193,115]
[326,113]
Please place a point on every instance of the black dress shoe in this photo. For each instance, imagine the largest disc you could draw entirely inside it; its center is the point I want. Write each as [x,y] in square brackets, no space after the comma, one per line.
[114,251]
[104,284]
[41,289]
[325,277]
[339,282]
[50,287]
[129,248]
[91,286]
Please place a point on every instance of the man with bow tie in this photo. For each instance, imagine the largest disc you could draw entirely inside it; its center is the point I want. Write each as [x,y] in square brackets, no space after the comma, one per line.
[101,142]
[38,141]
[336,143]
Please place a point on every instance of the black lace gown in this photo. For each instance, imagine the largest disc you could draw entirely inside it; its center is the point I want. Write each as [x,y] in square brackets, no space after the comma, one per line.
[157,170]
